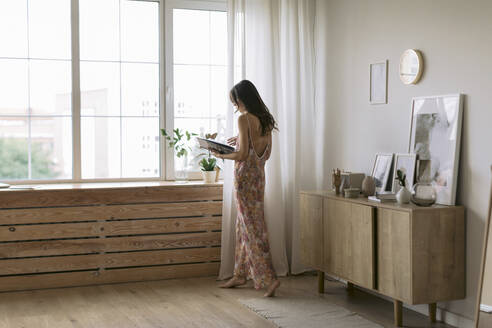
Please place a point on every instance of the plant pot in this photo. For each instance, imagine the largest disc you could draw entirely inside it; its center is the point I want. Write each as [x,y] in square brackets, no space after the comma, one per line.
[209,176]
[403,196]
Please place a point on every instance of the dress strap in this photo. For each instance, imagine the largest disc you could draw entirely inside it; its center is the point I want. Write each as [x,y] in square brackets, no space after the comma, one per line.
[249,132]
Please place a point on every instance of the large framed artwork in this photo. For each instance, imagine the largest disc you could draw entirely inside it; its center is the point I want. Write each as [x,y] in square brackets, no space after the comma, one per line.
[435,137]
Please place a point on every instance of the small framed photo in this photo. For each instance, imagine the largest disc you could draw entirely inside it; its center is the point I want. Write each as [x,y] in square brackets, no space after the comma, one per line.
[378,83]
[381,171]
[405,163]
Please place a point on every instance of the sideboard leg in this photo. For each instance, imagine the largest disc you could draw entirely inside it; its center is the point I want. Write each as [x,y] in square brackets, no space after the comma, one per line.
[432,312]
[398,305]
[321,282]
[350,287]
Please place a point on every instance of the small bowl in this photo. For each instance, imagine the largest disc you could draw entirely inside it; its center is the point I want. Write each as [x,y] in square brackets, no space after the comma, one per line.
[352,192]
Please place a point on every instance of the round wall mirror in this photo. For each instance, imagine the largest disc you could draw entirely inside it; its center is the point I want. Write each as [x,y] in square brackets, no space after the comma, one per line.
[411,66]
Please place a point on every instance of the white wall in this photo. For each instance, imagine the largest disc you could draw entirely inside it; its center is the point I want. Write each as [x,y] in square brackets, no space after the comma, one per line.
[455,38]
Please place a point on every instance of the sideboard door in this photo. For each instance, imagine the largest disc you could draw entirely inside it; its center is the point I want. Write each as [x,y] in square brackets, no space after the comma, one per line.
[349,241]
[394,249]
[311,228]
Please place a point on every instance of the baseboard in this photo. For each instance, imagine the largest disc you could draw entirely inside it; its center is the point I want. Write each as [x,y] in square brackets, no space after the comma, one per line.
[486,308]
[443,315]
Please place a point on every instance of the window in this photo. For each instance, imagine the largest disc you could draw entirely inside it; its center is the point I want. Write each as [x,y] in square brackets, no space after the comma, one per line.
[196,53]
[35,90]
[119,85]
[80,85]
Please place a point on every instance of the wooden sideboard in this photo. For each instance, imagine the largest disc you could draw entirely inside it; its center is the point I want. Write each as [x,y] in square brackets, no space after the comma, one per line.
[415,255]
[73,235]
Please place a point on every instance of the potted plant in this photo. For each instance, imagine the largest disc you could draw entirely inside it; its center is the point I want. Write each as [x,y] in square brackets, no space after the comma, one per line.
[403,195]
[208,165]
[179,142]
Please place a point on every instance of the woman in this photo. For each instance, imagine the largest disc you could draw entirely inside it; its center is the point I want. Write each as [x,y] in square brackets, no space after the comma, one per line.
[253,148]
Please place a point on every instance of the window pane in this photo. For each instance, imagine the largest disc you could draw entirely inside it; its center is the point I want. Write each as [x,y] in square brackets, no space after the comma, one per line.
[100,89]
[140,31]
[51,87]
[191,36]
[140,147]
[101,153]
[191,91]
[14,87]
[140,89]
[99,29]
[13,28]
[14,148]
[218,39]
[51,147]
[49,29]
[219,95]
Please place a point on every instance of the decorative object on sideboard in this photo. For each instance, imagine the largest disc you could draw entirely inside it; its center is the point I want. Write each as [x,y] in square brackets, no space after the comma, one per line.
[406,164]
[411,66]
[368,186]
[336,180]
[208,164]
[423,194]
[352,192]
[378,83]
[403,195]
[351,180]
[381,171]
[435,137]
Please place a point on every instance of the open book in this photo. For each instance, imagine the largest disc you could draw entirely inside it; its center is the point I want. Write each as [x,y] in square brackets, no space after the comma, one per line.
[214,145]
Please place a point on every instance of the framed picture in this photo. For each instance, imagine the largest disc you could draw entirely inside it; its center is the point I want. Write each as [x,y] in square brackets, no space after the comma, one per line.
[435,137]
[381,171]
[405,163]
[378,83]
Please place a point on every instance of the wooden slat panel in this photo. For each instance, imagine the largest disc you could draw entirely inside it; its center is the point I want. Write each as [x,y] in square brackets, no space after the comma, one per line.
[108,196]
[84,262]
[50,231]
[53,280]
[84,246]
[165,225]
[132,227]
[88,213]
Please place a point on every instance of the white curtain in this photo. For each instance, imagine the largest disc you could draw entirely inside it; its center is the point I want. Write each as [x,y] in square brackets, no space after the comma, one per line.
[271,43]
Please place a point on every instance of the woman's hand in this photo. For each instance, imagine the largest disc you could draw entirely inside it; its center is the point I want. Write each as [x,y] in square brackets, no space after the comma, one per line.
[232,141]
[216,154]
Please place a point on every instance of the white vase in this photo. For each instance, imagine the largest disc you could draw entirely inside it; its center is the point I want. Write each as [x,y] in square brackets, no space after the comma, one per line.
[181,168]
[403,196]
[209,176]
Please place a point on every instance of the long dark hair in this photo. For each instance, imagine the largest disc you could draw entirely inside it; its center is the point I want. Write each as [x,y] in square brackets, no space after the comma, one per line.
[246,92]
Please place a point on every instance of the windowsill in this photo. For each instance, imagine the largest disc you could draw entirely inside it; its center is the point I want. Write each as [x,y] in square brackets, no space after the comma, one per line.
[107,185]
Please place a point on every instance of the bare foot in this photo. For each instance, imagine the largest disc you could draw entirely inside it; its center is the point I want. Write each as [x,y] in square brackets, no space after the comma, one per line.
[233,282]
[271,289]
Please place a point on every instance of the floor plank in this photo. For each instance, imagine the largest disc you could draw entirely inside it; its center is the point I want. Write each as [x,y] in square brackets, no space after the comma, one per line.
[194,302]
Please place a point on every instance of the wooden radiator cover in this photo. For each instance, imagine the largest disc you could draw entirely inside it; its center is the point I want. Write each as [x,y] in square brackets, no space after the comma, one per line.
[74,237]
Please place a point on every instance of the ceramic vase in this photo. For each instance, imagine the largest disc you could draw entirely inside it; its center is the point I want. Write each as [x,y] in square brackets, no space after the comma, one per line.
[368,186]
[209,176]
[403,196]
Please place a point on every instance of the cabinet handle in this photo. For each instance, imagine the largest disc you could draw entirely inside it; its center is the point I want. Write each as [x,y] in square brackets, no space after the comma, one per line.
[12,229]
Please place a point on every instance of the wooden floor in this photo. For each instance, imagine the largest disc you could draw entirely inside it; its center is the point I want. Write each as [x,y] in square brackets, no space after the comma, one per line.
[175,303]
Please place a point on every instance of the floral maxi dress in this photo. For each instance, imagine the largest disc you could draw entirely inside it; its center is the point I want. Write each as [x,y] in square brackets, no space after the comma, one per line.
[252,255]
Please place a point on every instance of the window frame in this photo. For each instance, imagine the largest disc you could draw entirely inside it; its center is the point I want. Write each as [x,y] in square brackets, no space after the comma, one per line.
[208,5]
[166,86]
